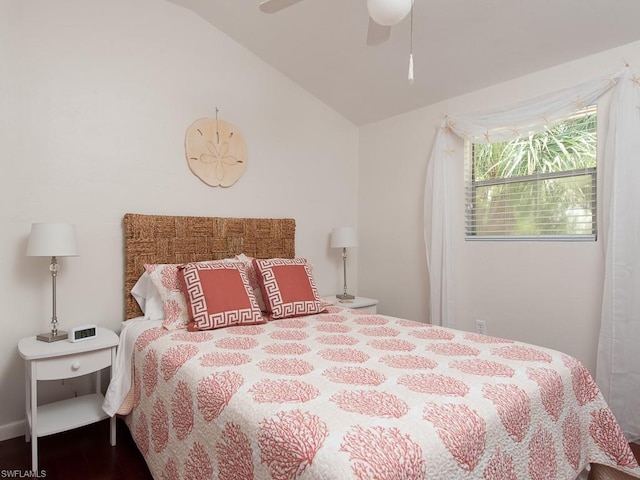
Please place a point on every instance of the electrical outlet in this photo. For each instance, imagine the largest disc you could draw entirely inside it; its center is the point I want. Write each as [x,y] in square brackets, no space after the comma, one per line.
[481,327]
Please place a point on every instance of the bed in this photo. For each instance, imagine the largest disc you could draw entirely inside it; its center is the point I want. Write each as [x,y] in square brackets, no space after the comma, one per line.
[344,394]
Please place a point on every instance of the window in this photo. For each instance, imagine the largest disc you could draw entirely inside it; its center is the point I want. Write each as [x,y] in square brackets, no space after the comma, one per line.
[538,187]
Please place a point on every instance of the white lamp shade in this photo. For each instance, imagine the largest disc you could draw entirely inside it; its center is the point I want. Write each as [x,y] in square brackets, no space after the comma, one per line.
[52,240]
[343,237]
[388,12]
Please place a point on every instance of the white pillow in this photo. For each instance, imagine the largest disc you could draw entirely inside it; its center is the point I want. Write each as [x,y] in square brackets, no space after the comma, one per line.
[148,297]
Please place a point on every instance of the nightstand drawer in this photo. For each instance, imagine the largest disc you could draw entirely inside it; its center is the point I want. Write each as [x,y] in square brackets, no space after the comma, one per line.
[369,309]
[73,365]
[368,305]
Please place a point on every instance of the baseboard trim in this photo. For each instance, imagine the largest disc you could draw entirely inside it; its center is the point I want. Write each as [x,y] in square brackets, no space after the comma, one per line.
[11,430]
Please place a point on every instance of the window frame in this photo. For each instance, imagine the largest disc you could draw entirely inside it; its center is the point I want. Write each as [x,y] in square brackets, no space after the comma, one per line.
[470,225]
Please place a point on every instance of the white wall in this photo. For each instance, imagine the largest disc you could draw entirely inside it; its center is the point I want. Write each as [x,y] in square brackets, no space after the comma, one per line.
[95,100]
[543,293]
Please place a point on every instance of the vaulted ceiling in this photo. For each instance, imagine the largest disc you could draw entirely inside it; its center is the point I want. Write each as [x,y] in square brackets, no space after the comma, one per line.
[458,45]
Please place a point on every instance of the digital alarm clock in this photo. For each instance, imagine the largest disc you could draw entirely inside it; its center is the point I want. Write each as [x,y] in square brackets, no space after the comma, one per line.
[83,332]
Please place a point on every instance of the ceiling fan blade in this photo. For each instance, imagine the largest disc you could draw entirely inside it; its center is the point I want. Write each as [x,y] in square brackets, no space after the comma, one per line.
[273,6]
[377,34]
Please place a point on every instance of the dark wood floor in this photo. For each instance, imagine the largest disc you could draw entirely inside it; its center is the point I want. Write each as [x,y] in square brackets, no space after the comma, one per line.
[85,454]
[81,454]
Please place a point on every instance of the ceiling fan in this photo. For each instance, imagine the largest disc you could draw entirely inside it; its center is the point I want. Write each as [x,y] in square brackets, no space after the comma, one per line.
[383,14]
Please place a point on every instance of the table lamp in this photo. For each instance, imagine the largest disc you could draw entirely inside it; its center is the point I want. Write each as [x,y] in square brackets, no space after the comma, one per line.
[344,237]
[52,240]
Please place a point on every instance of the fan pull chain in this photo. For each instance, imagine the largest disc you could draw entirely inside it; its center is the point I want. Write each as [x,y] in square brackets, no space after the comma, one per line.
[411,69]
[411,48]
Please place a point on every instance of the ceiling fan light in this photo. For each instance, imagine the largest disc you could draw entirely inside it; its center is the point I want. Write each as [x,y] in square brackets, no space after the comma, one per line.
[388,12]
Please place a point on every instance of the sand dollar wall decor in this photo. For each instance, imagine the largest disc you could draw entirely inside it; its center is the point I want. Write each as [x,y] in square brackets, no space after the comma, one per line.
[216,152]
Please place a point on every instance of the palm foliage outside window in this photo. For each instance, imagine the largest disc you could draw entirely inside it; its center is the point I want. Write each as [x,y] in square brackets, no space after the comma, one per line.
[538,187]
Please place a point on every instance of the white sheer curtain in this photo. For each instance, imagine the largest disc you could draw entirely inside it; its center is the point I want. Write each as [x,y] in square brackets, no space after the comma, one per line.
[618,368]
[618,371]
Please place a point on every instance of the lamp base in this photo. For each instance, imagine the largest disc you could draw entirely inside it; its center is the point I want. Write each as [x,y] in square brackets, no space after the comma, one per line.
[345,296]
[49,337]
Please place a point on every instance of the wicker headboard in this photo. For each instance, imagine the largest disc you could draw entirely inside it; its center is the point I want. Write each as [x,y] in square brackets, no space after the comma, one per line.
[172,239]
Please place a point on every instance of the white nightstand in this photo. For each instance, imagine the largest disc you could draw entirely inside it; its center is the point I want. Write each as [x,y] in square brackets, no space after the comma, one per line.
[359,303]
[61,360]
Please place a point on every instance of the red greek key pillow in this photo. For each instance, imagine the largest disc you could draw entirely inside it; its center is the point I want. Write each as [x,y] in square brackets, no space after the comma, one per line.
[288,287]
[219,295]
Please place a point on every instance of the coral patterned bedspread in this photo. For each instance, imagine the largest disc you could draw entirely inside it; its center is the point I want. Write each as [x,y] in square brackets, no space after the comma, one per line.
[347,395]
